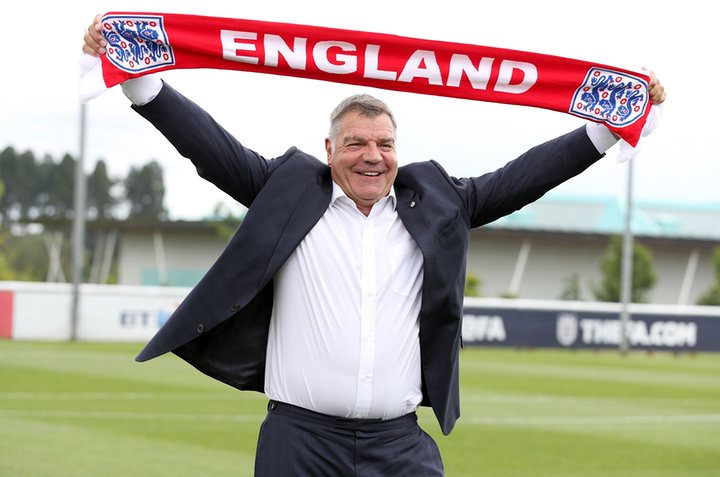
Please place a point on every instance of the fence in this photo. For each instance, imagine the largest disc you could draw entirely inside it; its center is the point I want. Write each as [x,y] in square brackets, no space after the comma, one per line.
[41,311]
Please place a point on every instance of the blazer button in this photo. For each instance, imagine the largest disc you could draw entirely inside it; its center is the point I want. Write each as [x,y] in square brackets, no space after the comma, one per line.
[200,328]
[234,307]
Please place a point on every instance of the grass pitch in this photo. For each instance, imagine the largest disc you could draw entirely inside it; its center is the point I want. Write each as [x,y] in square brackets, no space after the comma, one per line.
[85,409]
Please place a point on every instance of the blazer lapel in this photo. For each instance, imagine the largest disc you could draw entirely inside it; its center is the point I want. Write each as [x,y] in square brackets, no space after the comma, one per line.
[306,213]
[410,210]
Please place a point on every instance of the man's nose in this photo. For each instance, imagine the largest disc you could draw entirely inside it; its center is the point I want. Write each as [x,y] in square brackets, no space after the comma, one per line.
[372,153]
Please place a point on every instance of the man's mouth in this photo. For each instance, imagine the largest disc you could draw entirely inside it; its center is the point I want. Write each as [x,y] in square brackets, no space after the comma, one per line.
[370,174]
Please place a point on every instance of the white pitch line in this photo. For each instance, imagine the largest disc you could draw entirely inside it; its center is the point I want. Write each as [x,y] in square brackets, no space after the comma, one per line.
[549,399]
[130,416]
[125,396]
[591,420]
[192,396]
[478,421]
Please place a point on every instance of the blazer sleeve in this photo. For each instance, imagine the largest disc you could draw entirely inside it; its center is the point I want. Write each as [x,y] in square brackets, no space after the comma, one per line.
[527,178]
[218,157]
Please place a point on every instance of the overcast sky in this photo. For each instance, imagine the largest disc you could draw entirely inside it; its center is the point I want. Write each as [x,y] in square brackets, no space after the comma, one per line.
[679,163]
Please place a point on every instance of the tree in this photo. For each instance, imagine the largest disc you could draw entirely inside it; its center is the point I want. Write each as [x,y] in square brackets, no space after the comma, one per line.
[712,296]
[145,192]
[19,173]
[473,284]
[6,156]
[46,180]
[572,290]
[61,189]
[27,256]
[6,272]
[643,272]
[224,221]
[100,200]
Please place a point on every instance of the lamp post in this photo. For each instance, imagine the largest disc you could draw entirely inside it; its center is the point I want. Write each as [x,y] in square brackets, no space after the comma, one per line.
[78,229]
[626,264]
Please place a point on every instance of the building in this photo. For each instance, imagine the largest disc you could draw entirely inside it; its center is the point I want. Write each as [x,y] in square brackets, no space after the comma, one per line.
[533,253]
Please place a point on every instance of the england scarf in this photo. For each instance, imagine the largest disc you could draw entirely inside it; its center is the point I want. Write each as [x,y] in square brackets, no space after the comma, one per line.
[144,43]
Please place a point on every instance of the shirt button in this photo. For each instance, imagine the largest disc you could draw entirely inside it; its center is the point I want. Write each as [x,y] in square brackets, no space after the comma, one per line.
[200,328]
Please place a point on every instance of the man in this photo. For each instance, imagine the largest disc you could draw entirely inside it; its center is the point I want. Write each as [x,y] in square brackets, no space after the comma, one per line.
[340,296]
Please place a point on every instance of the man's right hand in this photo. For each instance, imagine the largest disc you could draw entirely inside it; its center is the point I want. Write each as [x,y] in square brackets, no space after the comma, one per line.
[94,40]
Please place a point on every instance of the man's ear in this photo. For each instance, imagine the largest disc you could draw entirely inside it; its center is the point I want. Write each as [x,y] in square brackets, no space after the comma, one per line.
[328,149]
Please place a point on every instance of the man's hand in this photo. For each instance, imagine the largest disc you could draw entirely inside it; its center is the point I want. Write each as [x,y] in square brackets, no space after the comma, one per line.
[656,90]
[94,40]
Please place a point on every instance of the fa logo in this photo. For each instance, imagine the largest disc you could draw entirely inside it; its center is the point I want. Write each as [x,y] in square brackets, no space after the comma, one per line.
[608,96]
[137,43]
[566,329]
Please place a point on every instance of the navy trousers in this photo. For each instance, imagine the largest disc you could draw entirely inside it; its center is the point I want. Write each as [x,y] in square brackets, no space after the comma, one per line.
[297,442]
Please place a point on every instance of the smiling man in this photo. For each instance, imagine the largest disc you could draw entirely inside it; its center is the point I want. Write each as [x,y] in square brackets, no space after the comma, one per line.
[341,294]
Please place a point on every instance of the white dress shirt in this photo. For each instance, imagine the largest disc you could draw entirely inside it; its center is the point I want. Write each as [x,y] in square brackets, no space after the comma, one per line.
[344,333]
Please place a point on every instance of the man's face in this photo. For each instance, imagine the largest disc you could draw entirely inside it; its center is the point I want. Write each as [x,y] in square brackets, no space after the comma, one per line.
[363,163]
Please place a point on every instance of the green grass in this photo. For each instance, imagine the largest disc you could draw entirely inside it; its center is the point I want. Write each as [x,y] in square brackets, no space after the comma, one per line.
[85,409]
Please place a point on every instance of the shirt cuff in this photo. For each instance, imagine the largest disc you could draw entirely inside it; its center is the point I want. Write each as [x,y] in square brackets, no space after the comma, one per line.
[142,90]
[600,136]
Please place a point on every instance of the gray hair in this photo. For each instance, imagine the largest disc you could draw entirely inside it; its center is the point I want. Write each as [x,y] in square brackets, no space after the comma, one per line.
[363,104]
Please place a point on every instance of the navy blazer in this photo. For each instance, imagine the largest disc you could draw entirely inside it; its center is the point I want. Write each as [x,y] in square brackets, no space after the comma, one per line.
[221,327]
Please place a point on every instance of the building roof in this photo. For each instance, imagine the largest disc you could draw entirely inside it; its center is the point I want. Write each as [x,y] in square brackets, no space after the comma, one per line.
[606,215]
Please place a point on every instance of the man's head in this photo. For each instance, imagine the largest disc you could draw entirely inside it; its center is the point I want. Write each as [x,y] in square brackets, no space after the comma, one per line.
[361,149]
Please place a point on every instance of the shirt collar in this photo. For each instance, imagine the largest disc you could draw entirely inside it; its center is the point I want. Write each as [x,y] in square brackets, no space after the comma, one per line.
[337,192]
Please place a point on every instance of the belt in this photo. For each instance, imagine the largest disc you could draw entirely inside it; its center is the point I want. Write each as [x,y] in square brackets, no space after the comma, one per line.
[343,422]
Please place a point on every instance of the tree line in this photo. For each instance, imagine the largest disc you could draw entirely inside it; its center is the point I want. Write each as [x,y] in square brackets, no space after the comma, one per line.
[40,189]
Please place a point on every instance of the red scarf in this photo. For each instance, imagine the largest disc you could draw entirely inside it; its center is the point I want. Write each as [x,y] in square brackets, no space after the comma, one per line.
[144,43]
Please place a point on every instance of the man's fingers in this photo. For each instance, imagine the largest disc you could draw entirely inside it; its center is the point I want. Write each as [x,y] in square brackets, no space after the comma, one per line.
[94,40]
[656,90]
[657,93]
